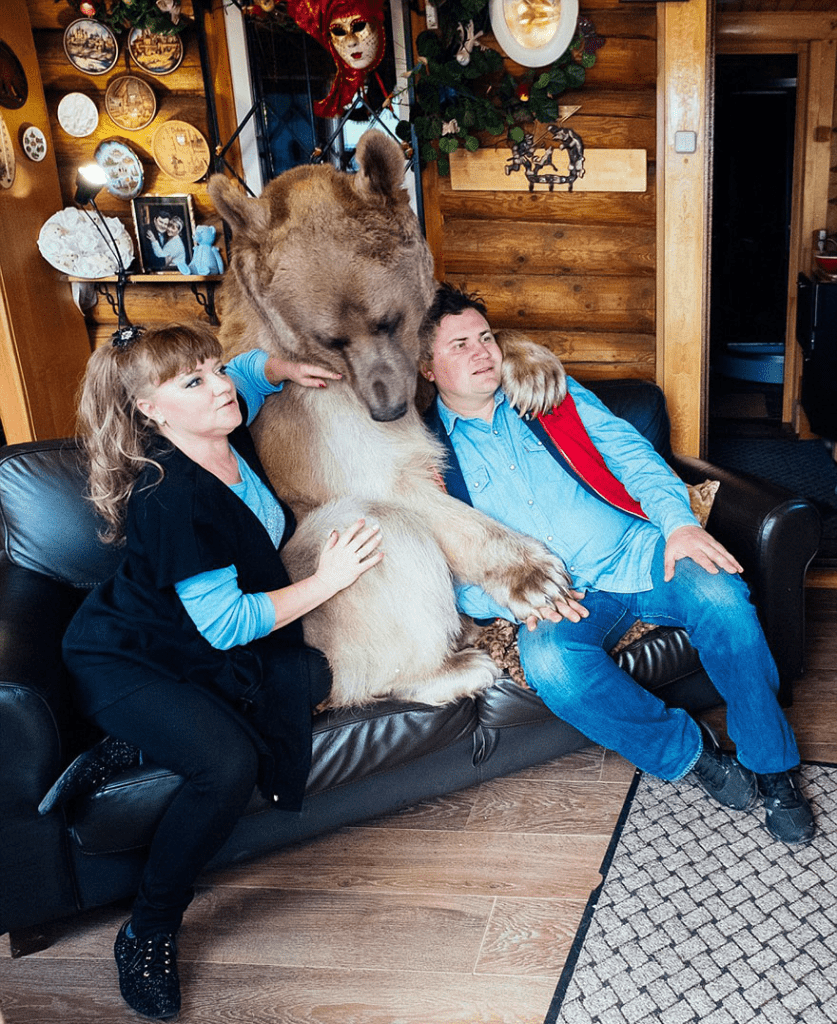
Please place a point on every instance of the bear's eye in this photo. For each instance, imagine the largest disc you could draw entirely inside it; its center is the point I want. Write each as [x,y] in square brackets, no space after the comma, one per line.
[388,325]
[337,343]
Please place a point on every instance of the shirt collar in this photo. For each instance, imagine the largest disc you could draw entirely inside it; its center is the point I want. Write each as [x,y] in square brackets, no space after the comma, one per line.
[449,417]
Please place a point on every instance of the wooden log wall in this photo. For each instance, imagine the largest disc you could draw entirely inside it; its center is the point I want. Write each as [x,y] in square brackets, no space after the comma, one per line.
[576,271]
[180,96]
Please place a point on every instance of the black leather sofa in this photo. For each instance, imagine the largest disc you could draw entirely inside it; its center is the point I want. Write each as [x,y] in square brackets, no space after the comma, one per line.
[366,762]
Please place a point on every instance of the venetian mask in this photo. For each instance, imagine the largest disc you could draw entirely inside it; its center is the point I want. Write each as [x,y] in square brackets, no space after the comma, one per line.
[353,32]
[356,41]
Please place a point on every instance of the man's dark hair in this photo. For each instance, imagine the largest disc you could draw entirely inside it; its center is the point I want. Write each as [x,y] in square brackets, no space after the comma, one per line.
[448,301]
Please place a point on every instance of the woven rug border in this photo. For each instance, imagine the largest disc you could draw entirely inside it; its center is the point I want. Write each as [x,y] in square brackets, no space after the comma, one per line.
[592,902]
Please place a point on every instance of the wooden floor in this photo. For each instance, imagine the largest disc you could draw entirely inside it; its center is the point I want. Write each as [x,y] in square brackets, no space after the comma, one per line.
[458,911]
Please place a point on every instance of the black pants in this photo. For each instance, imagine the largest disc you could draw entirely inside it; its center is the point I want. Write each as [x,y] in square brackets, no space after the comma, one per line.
[181,728]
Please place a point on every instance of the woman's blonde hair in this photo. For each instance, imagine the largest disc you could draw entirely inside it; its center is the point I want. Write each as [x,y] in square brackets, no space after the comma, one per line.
[116,434]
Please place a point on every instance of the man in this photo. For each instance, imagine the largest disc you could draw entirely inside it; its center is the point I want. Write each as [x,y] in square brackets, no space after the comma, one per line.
[157,238]
[634,550]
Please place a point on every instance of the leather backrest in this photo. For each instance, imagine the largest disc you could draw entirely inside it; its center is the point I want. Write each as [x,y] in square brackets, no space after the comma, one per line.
[48,525]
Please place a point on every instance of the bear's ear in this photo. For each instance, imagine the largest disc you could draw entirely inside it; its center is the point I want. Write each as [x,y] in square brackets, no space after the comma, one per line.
[381,165]
[249,217]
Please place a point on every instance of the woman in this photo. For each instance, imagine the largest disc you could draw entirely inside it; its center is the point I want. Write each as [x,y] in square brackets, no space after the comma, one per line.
[173,250]
[193,650]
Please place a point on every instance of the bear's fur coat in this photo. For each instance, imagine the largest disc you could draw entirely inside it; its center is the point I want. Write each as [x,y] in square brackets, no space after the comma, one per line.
[332,268]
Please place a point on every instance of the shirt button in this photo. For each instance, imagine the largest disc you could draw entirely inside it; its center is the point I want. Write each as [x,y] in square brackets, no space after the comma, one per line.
[496,433]
[476,485]
[530,502]
[511,466]
[549,538]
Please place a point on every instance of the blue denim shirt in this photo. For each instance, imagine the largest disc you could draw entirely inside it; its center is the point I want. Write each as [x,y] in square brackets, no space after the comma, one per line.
[512,477]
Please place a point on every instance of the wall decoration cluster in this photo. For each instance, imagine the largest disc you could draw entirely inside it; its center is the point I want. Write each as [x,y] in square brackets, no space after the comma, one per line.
[463,91]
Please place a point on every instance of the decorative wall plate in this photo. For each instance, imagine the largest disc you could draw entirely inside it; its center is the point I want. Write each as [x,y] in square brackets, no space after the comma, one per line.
[123,168]
[77,115]
[535,33]
[14,89]
[33,142]
[130,103]
[90,46]
[157,54]
[7,156]
[180,151]
[73,243]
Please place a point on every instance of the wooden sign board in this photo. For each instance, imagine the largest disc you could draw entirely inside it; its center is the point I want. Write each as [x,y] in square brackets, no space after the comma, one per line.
[605,170]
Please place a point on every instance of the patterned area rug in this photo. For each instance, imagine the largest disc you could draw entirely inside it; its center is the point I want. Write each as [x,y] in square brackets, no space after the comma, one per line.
[701,917]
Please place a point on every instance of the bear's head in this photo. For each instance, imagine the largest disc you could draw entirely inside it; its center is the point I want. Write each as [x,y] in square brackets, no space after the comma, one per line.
[332,268]
[204,234]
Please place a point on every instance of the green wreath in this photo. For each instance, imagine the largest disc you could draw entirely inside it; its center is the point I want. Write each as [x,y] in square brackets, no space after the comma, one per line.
[455,103]
[121,15]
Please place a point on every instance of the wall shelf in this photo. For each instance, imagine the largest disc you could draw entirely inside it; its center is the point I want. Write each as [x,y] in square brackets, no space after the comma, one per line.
[202,286]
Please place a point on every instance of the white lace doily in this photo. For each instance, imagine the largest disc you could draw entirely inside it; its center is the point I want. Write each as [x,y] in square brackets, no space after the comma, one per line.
[70,242]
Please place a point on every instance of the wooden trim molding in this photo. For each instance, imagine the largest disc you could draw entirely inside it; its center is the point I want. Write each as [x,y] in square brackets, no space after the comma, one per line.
[44,346]
[685,85]
[758,26]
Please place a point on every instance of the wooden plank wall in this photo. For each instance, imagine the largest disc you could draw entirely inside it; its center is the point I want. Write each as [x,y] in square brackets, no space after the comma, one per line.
[180,96]
[576,271]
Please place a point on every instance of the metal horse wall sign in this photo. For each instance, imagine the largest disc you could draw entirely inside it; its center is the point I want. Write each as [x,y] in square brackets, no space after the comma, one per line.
[534,161]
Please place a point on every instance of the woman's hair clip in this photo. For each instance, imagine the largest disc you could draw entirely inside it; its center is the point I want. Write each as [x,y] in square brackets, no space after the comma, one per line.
[124,337]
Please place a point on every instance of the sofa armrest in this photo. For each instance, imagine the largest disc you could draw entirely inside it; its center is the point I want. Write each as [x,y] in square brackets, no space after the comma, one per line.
[35,704]
[774,534]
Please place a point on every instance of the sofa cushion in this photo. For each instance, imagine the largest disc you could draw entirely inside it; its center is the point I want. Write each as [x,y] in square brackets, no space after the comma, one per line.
[349,744]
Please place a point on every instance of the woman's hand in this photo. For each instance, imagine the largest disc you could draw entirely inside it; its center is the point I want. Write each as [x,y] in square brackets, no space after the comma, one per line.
[306,374]
[345,556]
[348,555]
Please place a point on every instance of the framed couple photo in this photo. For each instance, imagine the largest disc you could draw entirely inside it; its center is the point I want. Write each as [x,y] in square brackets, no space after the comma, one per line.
[165,227]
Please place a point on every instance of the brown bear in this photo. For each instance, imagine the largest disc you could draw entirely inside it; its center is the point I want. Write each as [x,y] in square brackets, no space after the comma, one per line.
[332,268]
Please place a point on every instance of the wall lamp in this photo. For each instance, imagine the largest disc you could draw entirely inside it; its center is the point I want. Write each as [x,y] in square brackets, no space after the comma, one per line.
[90,180]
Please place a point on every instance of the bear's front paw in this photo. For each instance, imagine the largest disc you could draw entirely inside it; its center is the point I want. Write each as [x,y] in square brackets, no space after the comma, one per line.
[533,377]
[539,583]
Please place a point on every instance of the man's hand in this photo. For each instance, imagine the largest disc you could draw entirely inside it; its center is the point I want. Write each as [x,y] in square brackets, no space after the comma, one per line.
[306,374]
[695,543]
[568,608]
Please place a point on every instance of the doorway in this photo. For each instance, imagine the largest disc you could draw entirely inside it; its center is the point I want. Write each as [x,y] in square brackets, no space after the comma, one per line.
[755,113]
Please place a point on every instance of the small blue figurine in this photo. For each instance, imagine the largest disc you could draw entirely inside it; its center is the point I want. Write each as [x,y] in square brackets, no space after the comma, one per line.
[206,259]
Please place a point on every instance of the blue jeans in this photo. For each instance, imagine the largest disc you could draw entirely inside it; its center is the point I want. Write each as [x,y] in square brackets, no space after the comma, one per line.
[567,664]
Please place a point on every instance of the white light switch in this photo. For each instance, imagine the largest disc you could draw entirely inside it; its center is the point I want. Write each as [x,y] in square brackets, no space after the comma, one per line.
[685,142]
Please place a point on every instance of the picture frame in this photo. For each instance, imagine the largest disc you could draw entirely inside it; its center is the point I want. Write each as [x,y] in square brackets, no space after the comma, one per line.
[161,254]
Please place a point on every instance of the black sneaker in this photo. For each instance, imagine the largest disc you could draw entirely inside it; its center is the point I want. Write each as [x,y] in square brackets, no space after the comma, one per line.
[90,770]
[789,815]
[723,778]
[148,978]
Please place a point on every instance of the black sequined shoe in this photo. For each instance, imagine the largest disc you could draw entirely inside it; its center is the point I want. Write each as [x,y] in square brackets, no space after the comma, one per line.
[789,815]
[148,978]
[89,770]
[721,775]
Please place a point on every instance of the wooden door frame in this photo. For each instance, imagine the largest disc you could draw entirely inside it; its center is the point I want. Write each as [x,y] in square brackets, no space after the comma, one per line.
[685,83]
[813,38]
[687,40]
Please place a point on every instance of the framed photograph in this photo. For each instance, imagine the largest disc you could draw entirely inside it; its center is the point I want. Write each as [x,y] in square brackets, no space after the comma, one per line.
[165,227]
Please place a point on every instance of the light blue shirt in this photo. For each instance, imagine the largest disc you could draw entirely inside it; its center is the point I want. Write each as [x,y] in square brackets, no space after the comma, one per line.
[512,477]
[225,615]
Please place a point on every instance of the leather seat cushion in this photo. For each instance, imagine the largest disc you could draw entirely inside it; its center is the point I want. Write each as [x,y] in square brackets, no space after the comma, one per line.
[349,744]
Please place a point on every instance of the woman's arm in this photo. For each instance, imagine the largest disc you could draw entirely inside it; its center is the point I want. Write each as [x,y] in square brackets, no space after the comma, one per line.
[227,617]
